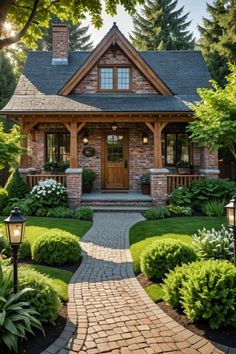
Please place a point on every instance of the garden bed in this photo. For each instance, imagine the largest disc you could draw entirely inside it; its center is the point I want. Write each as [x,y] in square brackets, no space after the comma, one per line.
[224,335]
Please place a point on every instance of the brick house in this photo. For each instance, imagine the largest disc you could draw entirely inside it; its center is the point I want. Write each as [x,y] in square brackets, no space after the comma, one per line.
[119,112]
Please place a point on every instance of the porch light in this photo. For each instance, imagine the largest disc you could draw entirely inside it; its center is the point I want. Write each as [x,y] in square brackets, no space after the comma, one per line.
[145,138]
[15,229]
[114,127]
[231,217]
[85,139]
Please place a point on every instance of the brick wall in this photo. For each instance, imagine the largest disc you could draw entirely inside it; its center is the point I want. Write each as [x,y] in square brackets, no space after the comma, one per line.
[60,41]
[90,83]
[140,156]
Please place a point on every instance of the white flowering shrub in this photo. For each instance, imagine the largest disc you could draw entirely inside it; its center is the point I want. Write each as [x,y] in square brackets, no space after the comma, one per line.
[214,244]
[49,193]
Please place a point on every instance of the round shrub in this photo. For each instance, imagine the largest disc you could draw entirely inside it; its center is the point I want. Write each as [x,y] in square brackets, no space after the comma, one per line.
[43,297]
[162,256]
[84,213]
[205,290]
[56,247]
[24,251]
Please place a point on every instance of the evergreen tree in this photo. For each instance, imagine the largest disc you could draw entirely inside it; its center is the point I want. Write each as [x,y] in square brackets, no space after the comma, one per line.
[218,38]
[79,39]
[161,26]
[7,79]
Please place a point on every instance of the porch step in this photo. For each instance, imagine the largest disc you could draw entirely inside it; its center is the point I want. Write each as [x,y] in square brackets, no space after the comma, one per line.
[114,208]
[109,191]
[117,203]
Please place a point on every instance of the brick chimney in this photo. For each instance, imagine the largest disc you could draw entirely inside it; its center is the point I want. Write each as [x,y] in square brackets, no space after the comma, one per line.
[60,44]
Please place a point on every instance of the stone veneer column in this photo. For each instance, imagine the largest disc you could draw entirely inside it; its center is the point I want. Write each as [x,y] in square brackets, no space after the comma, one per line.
[74,185]
[209,163]
[159,185]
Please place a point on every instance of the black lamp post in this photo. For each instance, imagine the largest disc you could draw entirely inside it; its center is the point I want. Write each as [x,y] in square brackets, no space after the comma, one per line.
[231,217]
[15,229]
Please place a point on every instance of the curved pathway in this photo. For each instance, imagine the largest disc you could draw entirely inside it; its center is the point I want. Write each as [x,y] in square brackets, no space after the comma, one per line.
[112,311]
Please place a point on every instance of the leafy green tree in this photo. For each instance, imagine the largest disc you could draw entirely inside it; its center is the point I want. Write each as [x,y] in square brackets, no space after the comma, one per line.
[7,79]
[161,26]
[29,16]
[218,38]
[79,37]
[215,116]
[10,148]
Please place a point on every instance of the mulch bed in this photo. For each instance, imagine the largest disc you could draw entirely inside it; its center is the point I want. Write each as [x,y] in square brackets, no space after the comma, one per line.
[35,344]
[225,335]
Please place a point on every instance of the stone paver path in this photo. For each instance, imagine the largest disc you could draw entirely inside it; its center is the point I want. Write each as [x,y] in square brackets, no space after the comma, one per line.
[109,312]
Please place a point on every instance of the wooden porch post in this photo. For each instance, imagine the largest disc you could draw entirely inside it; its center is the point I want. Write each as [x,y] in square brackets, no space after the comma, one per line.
[74,129]
[156,129]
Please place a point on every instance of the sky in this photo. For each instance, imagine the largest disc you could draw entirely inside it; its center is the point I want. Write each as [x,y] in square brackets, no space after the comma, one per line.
[196,9]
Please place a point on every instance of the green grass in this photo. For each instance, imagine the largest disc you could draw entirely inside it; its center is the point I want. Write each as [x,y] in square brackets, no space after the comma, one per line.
[36,226]
[155,292]
[181,228]
[60,278]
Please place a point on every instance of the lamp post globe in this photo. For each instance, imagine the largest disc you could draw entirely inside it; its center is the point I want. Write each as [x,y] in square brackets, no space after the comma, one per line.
[15,229]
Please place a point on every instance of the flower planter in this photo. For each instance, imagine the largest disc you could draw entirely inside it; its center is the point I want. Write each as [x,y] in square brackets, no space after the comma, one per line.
[145,188]
[87,188]
[183,170]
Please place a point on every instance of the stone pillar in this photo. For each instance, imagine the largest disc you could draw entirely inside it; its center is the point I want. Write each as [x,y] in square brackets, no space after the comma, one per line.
[74,185]
[159,185]
[209,163]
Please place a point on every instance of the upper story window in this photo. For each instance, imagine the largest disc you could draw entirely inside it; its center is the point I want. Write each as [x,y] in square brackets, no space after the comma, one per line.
[114,78]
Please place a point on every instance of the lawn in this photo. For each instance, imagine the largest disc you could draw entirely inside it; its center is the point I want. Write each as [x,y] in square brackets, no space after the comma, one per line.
[35,227]
[181,228]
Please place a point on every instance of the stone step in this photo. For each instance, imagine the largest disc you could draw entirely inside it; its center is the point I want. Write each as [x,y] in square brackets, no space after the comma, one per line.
[112,208]
[117,203]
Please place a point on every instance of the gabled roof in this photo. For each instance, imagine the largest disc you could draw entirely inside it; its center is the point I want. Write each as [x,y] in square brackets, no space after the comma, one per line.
[37,90]
[112,38]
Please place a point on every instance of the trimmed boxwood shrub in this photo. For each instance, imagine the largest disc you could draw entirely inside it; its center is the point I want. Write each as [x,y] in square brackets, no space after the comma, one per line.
[43,297]
[55,248]
[162,256]
[205,290]
[24,251]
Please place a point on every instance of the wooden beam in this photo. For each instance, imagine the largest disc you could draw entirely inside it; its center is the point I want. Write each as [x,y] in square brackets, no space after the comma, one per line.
[80,126]
[73,145]
[157,163]
[150,126]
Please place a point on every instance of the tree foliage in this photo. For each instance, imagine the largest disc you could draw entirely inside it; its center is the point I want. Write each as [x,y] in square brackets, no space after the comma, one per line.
[215,116]
[161,26]
[79,37]
[218,38]
[7,79]
[29,16]
[10,148]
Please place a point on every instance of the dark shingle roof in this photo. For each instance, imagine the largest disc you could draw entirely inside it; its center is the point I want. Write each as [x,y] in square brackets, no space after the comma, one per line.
[182,71]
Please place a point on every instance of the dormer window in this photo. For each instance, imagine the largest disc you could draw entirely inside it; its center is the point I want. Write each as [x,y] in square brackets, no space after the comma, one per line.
[114,78]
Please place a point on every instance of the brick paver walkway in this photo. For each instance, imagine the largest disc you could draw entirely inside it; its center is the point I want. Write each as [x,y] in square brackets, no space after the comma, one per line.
[109,312]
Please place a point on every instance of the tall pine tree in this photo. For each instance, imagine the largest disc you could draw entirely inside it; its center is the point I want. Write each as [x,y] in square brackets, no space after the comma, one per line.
[79,37]
[161,26]
[218,38]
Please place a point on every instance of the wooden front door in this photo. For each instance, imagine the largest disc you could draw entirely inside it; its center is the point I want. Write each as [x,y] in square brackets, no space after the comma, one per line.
[115,160]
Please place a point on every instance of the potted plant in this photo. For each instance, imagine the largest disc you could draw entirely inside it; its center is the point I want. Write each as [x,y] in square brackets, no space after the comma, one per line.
[145,182]
[184,167]
[56,167]
[88,176]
